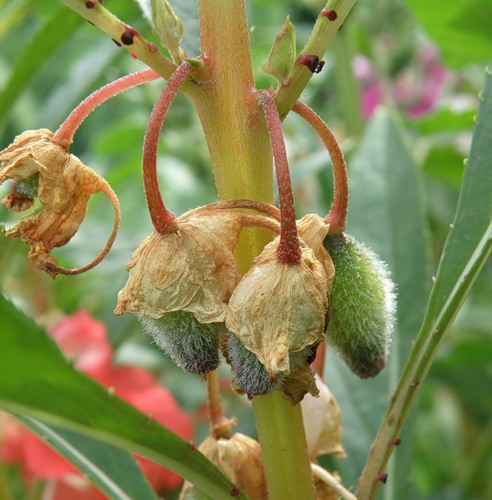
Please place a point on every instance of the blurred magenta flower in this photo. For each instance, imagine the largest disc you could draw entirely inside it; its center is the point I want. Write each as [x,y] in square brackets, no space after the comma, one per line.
[416,89]
[83,340]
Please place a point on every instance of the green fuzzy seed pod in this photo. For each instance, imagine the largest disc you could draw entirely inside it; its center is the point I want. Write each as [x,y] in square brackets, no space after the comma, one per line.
[362,306]
[28,188]
[192,345]
[250,375]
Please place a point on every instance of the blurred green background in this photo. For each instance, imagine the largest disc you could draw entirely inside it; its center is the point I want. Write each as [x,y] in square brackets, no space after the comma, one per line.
[400,89]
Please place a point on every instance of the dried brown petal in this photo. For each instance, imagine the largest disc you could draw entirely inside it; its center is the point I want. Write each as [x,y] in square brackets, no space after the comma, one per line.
[312,230]
[278,308]
[240,459]
[65,186]
[322,423]
[192,269]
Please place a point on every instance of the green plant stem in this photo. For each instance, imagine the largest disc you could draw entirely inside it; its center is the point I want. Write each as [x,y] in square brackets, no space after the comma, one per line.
[240,150]
[416,368]
[231,117]
[324,31]
[284,447]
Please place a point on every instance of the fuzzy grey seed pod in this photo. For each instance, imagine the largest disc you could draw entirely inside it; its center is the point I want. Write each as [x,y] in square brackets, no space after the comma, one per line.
[362,306]
[192,345]
[250,375]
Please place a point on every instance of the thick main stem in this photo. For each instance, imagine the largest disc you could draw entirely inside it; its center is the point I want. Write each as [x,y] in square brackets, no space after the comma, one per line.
[284,448]
[162,219]
[241,158]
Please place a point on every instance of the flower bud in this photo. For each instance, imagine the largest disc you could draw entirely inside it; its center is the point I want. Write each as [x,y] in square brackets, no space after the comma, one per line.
[362,306]
[192,345]
[167,27]
[282,54]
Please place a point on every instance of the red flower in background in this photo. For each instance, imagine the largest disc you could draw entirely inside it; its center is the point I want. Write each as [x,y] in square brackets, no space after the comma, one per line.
[416,89]
[83,340]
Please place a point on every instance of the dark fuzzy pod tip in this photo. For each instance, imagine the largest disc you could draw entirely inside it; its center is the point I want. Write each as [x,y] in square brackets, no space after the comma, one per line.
[192,345]
[250,376]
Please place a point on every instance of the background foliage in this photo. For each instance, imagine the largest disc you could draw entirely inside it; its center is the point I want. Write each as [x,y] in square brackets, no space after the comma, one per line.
[405,171]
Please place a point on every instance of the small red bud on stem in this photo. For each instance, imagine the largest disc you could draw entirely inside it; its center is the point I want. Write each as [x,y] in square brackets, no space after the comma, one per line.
[64,135]
[162,219]
[288,250]
[337,216]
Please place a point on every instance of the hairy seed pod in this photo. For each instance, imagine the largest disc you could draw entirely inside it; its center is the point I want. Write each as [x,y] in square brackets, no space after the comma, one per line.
[362,306]
[192,345]
[250,375]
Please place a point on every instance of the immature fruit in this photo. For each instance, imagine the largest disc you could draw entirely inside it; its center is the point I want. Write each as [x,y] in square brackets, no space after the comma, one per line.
[250,375]
[362,306]
[192,345]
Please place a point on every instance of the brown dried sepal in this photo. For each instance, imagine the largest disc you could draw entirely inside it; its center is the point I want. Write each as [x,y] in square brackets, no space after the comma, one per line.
[65,186]
[191,269]
[323,423]
[298,383]
[240,459]
[279,308]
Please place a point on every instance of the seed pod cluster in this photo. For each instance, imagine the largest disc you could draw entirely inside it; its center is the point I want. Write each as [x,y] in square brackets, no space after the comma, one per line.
[179,286]
[362,306]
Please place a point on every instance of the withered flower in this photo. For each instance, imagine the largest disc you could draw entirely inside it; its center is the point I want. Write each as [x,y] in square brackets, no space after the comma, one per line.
[37,165]
[189,269]
[240,459]
[279,308]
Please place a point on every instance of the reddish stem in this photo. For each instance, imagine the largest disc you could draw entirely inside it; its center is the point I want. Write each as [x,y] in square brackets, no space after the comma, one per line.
[64,135]
[337,216]
[288,250]
[162,219]
[220,425]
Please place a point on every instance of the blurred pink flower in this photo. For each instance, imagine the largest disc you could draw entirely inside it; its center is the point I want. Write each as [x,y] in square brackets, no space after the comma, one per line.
[416,89]
[83,340]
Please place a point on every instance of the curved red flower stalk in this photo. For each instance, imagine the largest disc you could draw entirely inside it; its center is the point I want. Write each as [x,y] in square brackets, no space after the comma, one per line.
[288,250]
[337,216]
[162,219]
[64,135]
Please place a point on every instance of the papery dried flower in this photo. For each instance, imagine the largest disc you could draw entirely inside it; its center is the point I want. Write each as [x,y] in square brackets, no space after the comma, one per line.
[64,186]
[312,230]
[322,423]
[240,459]
[190,269]
[278,309]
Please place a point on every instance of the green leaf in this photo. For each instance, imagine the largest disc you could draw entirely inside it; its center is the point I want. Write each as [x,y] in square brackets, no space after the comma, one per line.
[36,54]
[467,247]
[461,28]
[470,240]
[386,213]
[36,380]
[115,472]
